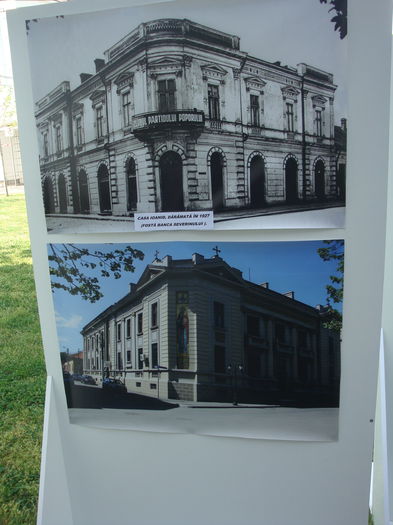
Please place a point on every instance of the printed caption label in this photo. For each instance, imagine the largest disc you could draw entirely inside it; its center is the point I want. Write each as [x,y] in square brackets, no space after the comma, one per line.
[177,220]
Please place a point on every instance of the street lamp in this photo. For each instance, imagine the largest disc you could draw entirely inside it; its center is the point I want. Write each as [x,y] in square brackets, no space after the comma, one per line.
[234,371]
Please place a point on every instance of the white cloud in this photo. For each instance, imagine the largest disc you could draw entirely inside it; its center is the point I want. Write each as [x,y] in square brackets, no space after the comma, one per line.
[73,321]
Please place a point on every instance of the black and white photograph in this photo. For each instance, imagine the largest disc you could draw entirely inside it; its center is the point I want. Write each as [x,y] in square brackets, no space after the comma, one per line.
[187,106]
[176,328]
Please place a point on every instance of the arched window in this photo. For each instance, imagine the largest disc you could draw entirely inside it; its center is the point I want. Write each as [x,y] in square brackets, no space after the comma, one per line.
[217,180]
[104,190]
[61,185]
[319,177]
[49,197]
[257,182]
[132,191]
[83,192]
[291,189]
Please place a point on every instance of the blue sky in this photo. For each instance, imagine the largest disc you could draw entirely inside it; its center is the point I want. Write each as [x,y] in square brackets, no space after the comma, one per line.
[287,266]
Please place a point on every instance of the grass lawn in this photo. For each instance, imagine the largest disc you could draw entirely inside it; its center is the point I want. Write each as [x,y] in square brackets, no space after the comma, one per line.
[22,370]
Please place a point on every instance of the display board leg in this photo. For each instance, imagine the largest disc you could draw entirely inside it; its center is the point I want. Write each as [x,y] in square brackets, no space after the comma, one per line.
[54,505]
[380,485]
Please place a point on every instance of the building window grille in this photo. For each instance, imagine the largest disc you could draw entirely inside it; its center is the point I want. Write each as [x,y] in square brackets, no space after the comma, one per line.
[126,106]
[100,122]
[289,116]
[154,315]
[140,323]
[128,328]
[166,95]
[154,355]
[58,139]
[214,102]
[318,122]
[254,109]
[46,145]
[219,315]
[78,123]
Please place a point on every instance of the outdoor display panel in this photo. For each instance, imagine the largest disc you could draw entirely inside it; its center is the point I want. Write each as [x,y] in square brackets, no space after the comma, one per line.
[174,108]
[201,126]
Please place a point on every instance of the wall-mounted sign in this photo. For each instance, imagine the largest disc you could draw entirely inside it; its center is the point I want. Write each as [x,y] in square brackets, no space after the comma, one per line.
[163,120]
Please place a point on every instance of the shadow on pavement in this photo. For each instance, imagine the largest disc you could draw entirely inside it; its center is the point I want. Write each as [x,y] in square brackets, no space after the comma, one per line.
[79,396]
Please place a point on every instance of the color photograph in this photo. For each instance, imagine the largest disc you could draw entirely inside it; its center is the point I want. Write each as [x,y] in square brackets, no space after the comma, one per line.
[179,327]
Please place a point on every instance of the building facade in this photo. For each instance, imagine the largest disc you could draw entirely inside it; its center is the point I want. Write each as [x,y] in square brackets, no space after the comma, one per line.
[178,117]
[195,329]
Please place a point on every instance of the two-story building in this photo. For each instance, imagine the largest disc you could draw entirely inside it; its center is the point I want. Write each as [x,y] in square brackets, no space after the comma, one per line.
[178,117]
[195,329]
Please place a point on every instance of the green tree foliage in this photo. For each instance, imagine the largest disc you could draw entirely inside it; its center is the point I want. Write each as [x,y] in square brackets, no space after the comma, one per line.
[334,251]
[340,19]
[78,270]
[7,107]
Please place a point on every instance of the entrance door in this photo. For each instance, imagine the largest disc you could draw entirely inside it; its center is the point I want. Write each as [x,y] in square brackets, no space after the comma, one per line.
[257,182]
[320,180]
[104,190]
[217,182]
[49,199]
[171,180]
[83,192]
[61,183]
[291,181]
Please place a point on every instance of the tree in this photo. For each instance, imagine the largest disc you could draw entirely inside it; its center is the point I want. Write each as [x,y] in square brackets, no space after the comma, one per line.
[7,106]
[334,251]
[340,19]
[76,269]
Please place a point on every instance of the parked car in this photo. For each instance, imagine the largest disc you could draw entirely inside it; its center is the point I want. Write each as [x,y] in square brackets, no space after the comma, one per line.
[114,386]
[77,377]
[88,380]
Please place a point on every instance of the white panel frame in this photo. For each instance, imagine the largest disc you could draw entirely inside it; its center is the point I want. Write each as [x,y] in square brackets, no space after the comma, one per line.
[129,476]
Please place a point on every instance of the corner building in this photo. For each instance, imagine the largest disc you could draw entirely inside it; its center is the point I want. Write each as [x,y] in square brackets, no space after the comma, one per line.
[195,329]
[177,117]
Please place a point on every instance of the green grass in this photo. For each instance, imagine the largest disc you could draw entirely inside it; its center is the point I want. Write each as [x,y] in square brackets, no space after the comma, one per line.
[22,370]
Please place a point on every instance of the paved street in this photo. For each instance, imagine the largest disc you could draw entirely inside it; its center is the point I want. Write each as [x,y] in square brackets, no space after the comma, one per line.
[136,412]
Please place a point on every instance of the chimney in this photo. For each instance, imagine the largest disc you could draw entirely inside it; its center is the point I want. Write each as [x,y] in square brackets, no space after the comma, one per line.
[166,261]
[291,295]
[344,124]
[197,258]
[84,77]
[264,285]
[132,287]
[99,63]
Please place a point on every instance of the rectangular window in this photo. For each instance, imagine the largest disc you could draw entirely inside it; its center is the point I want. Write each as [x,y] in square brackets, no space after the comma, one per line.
[253,325]
[46,145]
[140,358]
[154,315]
[140,323]
[154,355]
[289,114]
[119,362]
[100,121]
[302,339]
[126,107]
[254,110]
[281,333]
[128,356]
[318,122]
[219,318]
[58,139]
[78,124]
[128,328]
[219,359]
[119,331]
[166,95]
[214,101]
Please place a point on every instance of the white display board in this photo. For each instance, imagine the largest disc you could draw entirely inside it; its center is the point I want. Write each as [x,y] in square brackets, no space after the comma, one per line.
[97,475]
